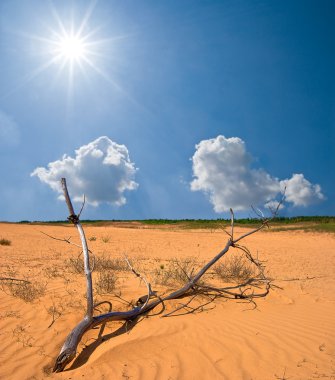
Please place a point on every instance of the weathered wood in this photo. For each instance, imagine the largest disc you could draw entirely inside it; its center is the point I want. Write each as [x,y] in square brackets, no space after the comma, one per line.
[69,348]
[75,220]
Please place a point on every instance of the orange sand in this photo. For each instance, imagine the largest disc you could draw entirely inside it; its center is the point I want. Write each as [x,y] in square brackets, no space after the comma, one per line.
[291,332]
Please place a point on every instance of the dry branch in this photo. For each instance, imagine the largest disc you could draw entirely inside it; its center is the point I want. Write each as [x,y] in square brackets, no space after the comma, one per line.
[192,288]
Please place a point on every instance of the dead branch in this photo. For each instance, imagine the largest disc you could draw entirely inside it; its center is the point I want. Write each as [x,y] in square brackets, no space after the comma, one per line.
[75,220]
[142,301]
[190,310]
[60,239]
[192,288]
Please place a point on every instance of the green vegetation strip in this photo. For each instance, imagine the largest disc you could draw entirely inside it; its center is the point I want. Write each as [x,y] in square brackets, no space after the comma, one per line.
[305,223]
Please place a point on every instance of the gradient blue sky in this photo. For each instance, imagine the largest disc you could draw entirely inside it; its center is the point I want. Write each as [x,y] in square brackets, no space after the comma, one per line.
[169,74]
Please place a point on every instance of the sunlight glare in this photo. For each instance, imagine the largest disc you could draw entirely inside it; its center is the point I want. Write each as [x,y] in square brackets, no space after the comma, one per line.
[71,48]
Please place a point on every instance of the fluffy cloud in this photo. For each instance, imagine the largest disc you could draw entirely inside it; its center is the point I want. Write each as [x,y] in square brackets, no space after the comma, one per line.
[222,169]
[101,170]
[9,131]
[301,192]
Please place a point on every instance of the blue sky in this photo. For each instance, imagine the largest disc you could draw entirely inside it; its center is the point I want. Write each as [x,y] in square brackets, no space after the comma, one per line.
[250,83]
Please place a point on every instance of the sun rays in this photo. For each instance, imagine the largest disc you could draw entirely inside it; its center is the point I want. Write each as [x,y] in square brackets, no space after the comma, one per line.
[71,52]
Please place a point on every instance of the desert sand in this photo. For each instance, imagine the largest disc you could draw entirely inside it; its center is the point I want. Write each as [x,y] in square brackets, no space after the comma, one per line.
[290,335]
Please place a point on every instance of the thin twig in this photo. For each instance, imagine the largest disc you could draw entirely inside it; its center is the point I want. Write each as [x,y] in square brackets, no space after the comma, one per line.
[60,239]
[150,292]
[82,207]
[232,224]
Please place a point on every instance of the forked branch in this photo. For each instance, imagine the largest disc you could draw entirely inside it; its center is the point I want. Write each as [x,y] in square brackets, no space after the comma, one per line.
[192,288]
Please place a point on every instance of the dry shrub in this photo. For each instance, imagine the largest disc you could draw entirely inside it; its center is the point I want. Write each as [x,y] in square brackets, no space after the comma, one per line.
[5,242]
[55,311]
[105,282]
[105,263]
[10,314]
[22,336]
[28,292]
[234,269]
[105,239]
[53,272]
[176,271]
[75,264]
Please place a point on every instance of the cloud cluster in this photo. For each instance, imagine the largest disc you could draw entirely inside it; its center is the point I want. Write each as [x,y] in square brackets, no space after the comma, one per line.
[222,169]
[101,170]
[9,131]
[301,192]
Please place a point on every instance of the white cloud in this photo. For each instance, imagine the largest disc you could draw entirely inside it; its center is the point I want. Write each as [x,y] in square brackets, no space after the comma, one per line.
[101,170]
[301,192]
[9,131]
[222,169]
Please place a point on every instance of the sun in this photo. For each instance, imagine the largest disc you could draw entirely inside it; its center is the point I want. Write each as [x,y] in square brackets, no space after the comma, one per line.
[71,48]
[73,51]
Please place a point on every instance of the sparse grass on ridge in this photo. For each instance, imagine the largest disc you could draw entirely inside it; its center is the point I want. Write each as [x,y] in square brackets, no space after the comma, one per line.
[305,223]
[306,227]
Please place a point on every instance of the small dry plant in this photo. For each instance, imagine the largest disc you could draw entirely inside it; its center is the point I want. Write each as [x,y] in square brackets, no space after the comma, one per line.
[22,336]
[105,283]
[176,271]
[234,269]
[75,265]
[27,291]
[10,314]
[105,263]
[106,239]
[53,272]
[5,242]
[55,311]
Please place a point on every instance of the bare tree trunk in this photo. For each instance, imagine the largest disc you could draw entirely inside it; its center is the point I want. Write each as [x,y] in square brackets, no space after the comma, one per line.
[75,220]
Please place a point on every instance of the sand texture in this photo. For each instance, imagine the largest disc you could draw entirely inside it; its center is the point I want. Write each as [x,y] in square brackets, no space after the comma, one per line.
[289,335]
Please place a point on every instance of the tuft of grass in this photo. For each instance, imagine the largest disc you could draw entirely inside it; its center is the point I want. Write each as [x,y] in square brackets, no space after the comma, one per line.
[28,292]
[75,264]
[105,239]
[105,263]
[234,269]
[177,271]
[92,238]
[53,272]
[105,283]
[5,242]
[10,314]
[102,263]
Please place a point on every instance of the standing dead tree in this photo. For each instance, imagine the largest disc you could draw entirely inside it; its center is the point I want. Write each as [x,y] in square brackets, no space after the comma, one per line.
[193,287]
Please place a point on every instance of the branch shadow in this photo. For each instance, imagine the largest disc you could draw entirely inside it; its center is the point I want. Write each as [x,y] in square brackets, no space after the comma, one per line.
[128,325]
[87,351]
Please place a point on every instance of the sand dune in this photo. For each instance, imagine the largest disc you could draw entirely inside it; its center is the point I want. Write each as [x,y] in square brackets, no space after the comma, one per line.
[290,334]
